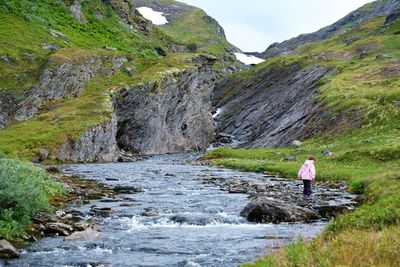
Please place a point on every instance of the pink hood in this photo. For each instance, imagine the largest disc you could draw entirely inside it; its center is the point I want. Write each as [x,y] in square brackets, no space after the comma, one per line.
[307,171]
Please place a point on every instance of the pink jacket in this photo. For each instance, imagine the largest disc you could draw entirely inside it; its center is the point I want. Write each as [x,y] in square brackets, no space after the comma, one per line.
[307,171]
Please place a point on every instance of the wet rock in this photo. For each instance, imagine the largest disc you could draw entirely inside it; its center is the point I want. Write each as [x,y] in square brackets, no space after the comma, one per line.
[266,210]
[7,251]
[331,211]
[121,189]
[44,217]
[83,235]
[103,212]
[53,169]
[58,228]
[149,213]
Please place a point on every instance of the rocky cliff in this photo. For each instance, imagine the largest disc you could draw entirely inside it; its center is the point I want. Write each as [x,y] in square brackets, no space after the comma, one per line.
[271,109]
[169,116]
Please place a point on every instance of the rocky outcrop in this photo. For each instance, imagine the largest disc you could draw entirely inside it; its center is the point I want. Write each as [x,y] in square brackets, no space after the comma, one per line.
[65,77]
[124,9]
[97,144]
[355,18]
[394,16]
[272,108]
[77,12]
[8,106]
[169,116]
[266,210]
[275,200]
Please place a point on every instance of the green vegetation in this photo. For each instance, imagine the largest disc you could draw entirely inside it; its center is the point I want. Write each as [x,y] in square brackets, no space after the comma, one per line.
[365,88]
[24,190]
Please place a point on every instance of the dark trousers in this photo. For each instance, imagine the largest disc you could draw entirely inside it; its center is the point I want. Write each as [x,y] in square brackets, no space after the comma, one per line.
[307,188]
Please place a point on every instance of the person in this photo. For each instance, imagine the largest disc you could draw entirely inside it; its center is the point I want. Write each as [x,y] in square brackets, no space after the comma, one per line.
[307,174]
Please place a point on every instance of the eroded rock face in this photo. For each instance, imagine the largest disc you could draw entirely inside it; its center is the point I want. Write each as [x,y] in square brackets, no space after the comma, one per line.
[64,78]
[170,116]
[97,144]
[8,105]
[272,109]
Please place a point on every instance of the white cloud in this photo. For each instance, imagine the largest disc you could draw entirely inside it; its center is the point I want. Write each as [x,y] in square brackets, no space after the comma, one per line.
[155,17]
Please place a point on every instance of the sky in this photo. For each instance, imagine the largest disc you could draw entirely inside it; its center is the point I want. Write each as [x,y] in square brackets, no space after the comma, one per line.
[252,25]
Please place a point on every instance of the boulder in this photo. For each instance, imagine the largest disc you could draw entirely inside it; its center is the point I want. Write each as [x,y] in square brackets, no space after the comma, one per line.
[58,228]
[103,212]
[326,152]
[7,251]
[83,235]
[268,210]
[121,189]
[297,143]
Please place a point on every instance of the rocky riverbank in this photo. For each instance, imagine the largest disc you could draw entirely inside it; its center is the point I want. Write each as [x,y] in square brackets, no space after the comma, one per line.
[65,220]
[276,200]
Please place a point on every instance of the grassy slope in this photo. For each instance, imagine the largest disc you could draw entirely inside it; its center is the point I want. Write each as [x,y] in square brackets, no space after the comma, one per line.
[369,158]
[24,27]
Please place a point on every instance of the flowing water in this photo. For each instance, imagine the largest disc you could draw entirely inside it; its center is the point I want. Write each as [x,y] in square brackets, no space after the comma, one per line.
[192,223]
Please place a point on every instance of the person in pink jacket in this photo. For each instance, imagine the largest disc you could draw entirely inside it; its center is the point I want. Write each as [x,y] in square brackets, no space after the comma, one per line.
[307,174]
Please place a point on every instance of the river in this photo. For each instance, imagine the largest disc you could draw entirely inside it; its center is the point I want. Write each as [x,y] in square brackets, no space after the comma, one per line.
[177,221]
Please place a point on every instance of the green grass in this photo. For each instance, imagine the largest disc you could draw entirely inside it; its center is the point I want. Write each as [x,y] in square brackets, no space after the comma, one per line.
[24,190]
[368,158]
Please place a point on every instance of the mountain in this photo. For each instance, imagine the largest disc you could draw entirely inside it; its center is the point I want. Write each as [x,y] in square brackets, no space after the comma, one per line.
[87,80]
[341,78]
[348,23]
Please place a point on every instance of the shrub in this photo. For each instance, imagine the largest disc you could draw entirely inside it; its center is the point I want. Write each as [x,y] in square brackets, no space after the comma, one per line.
[24,190]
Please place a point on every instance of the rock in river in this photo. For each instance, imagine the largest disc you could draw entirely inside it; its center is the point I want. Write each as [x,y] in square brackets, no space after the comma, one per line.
[268,210]
[7,251]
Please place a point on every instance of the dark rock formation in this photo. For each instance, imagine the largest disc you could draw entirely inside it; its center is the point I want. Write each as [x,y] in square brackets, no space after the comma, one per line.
[273,210]
[275,200]
[97,144]
[7,251]
[273,108]
[67,79]
[169,116]
[392,17]
[8,106]
[355,18]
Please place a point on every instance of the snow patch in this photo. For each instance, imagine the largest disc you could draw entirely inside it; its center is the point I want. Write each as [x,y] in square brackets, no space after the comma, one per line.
[157,18]
[248,60]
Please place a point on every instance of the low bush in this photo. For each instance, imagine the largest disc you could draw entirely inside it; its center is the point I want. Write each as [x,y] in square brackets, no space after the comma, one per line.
[24,190]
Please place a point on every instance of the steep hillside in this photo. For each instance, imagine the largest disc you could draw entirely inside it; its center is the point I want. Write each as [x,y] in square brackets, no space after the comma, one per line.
[190,27]
[349,22]
[339,95]
[332,86]
[73,72]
